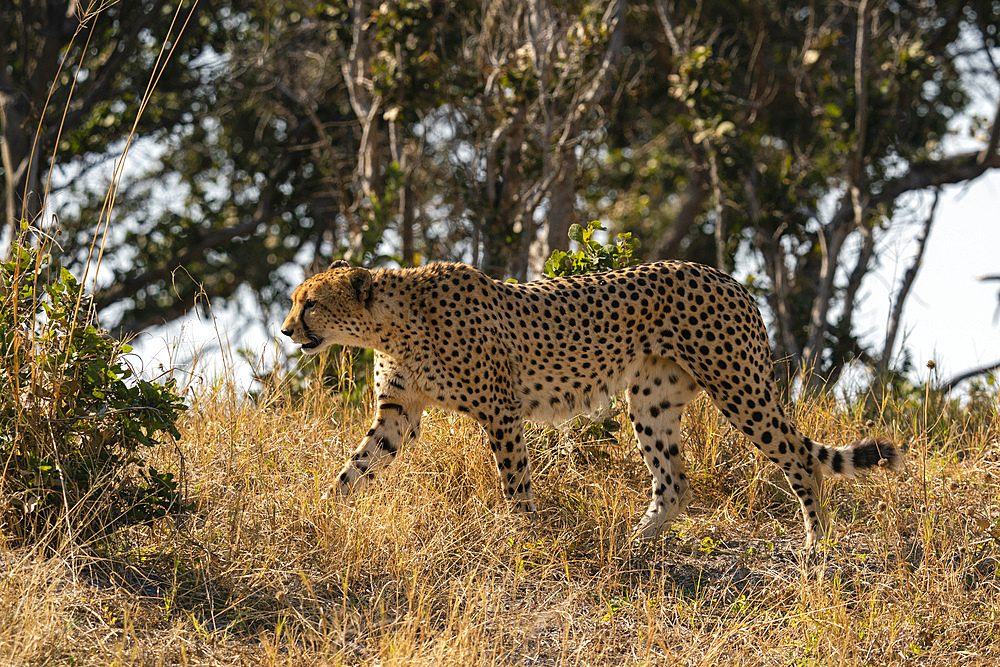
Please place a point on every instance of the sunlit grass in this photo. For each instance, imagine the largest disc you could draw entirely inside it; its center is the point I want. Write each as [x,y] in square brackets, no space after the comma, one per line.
[428,567]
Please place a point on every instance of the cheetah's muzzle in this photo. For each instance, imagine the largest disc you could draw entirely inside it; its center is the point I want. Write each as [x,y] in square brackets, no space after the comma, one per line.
[314,342]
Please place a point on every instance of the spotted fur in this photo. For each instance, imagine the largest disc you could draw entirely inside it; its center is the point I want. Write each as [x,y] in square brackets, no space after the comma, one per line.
[448,335]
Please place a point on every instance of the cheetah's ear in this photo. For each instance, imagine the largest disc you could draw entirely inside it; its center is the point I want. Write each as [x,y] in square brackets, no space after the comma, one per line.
[361,283]
[317,266]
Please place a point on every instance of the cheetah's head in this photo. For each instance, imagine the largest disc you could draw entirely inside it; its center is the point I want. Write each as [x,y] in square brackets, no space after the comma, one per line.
[330,308]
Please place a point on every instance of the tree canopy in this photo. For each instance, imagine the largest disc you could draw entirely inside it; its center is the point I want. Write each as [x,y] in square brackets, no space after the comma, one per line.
[789,136]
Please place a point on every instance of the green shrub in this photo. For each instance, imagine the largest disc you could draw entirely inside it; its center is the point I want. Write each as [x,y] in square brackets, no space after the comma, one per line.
[75,417]
[593,256]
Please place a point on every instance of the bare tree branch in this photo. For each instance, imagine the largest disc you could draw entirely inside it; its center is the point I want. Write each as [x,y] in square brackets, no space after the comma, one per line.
[720,237]
[861,269]
[364,101]
[953,382]
[991,145]
[818,324]
[560,163]
[958,168]
[831,240]
[774,265]
[990,149]
[774,260]
[668,28]
[895,317]
[861,104]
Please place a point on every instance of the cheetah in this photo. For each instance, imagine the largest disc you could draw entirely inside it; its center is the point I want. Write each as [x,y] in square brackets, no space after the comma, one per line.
[447,335]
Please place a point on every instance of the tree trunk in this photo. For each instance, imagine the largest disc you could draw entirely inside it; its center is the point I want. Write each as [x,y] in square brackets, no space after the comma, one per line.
[562,209]
[692,206]
[22,189]
[503,193]
[406,221]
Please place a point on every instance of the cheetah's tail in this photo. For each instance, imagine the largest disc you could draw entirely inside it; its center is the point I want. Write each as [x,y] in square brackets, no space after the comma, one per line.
[857,457]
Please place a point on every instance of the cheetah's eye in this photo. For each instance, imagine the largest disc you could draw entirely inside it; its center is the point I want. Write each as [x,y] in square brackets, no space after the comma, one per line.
[309,304]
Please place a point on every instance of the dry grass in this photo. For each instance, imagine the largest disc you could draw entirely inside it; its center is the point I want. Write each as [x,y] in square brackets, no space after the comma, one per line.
[429,568]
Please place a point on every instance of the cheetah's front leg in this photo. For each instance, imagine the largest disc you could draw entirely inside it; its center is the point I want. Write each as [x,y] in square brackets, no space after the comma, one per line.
[507,443]
[394,425]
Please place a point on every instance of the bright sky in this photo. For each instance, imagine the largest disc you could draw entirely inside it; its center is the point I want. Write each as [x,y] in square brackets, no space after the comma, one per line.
[950,314]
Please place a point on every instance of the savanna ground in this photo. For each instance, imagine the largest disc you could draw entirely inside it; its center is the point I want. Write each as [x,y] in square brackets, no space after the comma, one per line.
[428,567]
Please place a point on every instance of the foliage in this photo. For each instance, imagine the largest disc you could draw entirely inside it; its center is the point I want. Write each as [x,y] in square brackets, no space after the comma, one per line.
[430,130]
[983,401]
[593,256]
[75,418]
[750,126]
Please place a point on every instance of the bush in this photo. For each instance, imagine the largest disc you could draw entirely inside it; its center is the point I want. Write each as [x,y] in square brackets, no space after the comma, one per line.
[593,256]
[75,418]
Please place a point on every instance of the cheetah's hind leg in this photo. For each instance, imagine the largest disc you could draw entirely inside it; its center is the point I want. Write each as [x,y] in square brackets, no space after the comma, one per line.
[657,394]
